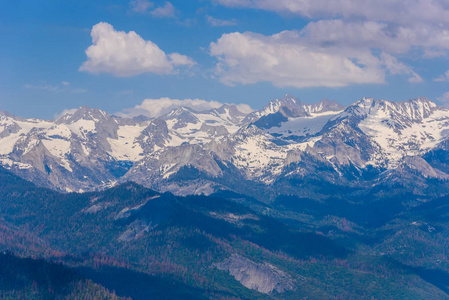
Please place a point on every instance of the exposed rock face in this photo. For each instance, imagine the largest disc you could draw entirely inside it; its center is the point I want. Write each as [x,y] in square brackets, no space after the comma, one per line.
[200,151]
[419,164]
[264,278]
[89,149]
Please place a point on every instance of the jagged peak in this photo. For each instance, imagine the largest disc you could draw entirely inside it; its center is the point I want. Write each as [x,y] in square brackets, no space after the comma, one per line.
[413,110]
[421,101]
[230,109]
[373,101]
[177,111]
[290,98]
[286,100]
[8,115]
[323,106]
[288,105]
[83,113]
[366,106]
[5,113]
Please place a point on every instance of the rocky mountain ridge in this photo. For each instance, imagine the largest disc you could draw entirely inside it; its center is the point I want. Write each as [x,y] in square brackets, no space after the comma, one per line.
[187,151]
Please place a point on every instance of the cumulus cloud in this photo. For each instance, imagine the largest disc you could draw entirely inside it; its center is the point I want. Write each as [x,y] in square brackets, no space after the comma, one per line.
[386,30]
[244,108]
[177,59]
[157,107]
[284,60]
[396,11]
[330,53]
[394,39]
[393,26]
[127,54]
[220,23]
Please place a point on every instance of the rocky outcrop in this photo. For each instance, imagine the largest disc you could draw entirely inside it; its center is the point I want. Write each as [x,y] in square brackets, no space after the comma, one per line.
[188,151]
[264,278]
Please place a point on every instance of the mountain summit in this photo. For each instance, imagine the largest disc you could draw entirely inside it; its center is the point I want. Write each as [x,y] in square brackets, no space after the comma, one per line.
[188,151]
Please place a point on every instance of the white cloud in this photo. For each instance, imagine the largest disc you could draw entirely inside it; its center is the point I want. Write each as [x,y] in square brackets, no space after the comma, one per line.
[141,6]
[393,26]
[65,112]
[285,60]
[413,28]
[219,23]
[127,54]
[166,11]
[444,77]
[394,11]
[66,83]
[330,53]
[177,59]
[244,108]
[394,39]
[395,67]
[444,99]
[148,8]
[157,107]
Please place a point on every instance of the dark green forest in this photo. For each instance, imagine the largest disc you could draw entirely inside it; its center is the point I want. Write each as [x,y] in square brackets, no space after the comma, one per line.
[132,242]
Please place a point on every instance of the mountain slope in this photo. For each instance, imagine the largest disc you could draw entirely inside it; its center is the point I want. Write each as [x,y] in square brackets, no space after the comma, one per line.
[25,278]
[364,145]
[205,247]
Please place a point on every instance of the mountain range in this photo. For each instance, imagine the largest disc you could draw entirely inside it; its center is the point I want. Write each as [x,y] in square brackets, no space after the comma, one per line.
[132,242]
[365,145]
[291,201]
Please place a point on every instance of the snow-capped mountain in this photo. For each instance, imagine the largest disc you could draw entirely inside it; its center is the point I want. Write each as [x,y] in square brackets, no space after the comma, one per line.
[201,151]
[91,149]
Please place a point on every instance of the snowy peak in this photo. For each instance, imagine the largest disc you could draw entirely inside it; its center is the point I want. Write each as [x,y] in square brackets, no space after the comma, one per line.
[180,117]
[5,114]
[395,130]
[397,114]
[230,112]
[323,106]
[89,149]
[288,106]
[293,107]
[296,119]
[84,113]
[186,125]
[280,110]
[179,112]
[91,123]
[420,108]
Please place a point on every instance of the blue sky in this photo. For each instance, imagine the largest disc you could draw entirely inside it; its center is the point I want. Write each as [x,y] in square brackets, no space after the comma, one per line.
[234,51]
